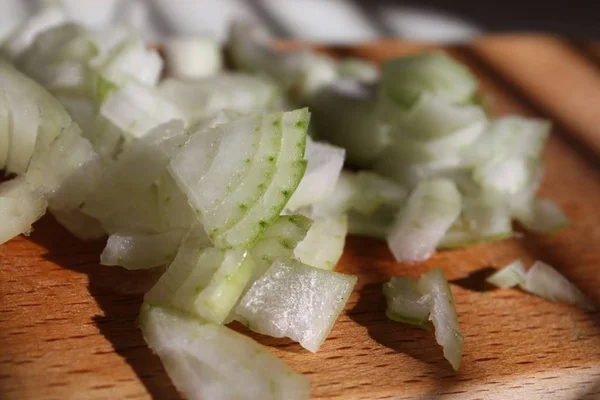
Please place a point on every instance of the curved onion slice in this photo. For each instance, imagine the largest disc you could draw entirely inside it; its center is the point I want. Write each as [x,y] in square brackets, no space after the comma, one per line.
[209,361]
[443,314]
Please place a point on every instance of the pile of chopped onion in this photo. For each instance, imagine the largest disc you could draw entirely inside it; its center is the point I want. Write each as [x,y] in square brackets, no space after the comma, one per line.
[213,174]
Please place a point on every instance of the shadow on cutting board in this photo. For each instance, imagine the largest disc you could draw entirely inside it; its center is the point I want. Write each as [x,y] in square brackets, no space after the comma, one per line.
[118,293]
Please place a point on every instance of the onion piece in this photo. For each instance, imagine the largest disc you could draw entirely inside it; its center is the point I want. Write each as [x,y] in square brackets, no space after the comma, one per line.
[208,286]
[545,216]
[344,114]
[405,79]
[324,243]
[374,191]
[136,109]
[279,241]
[302,72]
[50,168]
[297,301]
[20,206]
[428,298]
[192,57]
[80,225]
[510,276]
[182,267]
[433,118]
[141,251]
[430,210]
[201,99]
[138,167]
[340,201]
[546,282]
[506,177]
[209,361]
[288,170]
[324,166]
[443,314]
[405,303]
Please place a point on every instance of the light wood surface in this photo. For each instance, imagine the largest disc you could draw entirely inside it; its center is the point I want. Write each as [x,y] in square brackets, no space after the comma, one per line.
[68,325]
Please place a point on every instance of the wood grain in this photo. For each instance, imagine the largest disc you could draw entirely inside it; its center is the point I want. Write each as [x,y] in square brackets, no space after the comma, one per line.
[68,325]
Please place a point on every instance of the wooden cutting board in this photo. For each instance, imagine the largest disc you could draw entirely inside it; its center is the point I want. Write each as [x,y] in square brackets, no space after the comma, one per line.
[68,325]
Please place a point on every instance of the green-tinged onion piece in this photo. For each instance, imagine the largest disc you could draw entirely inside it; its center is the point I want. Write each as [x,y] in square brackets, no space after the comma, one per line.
[279,241]
[239,176]
[429,298]
[405,302]
[443,314]
[344,114]
[405,79]
[209,361]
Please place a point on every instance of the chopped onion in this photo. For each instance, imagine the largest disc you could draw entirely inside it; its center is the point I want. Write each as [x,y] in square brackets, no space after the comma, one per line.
[265,176]
[405,79]
[442,314]
[545,216]
[433,118]
[510,276]
[203,98]
[324,243]
[323,169]
[192,57]
[429,212]
[279,241]
[541,280]
[297,301]
[374,191]
[509,137]
[135,171]
[35,117]
[344,114]
[141,251]
[20,206]
[428,298]
[136,109]
[405,302]
[209,361]
[207,285]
